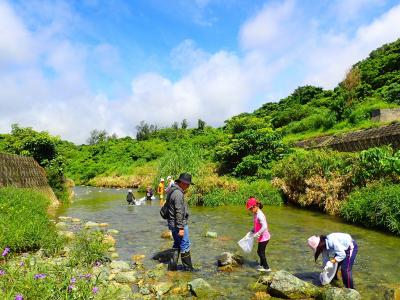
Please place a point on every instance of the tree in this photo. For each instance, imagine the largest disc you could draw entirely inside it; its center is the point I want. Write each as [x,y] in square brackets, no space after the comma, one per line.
[201,124]
[184,124]
[97,136]
[25,141]
[145,131]
[175,125]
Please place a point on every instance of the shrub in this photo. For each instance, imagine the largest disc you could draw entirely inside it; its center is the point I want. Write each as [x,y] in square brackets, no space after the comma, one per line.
[88,247]
[24,223]
[375,206]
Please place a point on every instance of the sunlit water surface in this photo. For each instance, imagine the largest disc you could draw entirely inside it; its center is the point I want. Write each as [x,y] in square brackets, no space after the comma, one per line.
[377,263]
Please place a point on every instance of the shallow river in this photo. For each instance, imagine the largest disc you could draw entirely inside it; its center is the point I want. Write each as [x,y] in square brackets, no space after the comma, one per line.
[377,263]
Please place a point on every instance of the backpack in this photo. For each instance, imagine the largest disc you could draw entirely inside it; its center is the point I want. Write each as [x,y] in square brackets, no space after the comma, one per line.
[164,211]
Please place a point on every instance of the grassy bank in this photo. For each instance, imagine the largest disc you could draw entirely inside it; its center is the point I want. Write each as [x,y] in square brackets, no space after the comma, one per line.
[24,223]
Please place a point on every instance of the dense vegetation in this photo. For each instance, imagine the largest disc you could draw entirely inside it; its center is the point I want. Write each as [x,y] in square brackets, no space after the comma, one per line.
[250,151]
[24,223]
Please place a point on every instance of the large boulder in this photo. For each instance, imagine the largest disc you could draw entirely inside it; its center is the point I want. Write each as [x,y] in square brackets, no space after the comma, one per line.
[334,293]
[227,258]
[201,288]
[282,284]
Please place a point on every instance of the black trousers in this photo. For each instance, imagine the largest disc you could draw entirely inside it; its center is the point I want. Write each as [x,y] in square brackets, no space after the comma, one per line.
[261,253]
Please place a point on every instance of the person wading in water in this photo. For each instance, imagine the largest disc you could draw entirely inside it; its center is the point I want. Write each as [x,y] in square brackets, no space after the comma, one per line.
[178,215]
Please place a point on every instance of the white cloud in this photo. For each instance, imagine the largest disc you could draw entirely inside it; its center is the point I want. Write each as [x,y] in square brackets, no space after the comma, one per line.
[270,28]
[15,41]
[333,54]
[45,83]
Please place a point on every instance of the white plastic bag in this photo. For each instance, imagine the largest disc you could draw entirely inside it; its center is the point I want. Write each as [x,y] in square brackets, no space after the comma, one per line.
[246,243]
[328,273]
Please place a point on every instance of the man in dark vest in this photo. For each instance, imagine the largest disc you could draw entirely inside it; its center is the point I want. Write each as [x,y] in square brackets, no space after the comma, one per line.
[178,222]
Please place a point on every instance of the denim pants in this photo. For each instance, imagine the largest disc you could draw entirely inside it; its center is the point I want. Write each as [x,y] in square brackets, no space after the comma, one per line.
[347,265]
[181,243]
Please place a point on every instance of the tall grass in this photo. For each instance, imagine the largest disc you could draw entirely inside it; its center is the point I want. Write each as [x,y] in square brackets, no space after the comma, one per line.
[24,223]
[217,191]
[375,206]
[181,158]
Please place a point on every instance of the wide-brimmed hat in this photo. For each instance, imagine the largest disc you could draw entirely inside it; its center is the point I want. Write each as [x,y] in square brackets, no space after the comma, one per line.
[185,178]
[313,242]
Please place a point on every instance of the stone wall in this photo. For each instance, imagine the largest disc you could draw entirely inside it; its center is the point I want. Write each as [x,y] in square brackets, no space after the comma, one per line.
[24,172]
[357,140]
[386,115]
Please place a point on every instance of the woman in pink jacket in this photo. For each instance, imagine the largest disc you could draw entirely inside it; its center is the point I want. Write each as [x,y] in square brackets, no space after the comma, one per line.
[260,231]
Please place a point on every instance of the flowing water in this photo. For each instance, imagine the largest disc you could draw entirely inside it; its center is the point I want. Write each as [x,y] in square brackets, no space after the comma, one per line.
[377,263]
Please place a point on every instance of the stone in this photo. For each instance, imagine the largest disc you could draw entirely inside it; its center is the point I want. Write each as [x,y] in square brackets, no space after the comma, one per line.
[104,225]
[161,288]
[101,273]
[211,234]
[334,293]
[200,288]
[144,291]
[285,285]
[163,256]
[91,224]
[392,293]
[61,225]
[112,231]
[114,255]
[63,218]
[137,257]
[227,258]
[166,234]
[261,296]
[125,277]
[158,271]
[76,220]
[109,240]
[120,265]
[68,234]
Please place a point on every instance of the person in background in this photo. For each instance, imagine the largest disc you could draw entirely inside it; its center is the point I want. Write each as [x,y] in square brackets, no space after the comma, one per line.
[260,231]
[160,191]
[149,193]
[339,248]
[178,215]
[170,182]
[130,198]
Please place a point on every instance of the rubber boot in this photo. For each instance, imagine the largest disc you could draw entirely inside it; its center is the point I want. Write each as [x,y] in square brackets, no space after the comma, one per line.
[173,261]
[187,261]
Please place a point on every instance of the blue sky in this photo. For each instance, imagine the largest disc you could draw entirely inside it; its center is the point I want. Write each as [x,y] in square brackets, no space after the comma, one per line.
[72,66]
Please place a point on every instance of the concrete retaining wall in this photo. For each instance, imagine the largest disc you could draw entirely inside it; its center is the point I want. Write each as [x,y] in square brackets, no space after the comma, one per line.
[24,172]
[357,140]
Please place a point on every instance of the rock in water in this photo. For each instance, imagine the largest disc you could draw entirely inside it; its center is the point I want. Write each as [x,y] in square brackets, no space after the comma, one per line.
[227,258]
[285,285]
[335,293]
[211,234]
[200,288]
[166,234]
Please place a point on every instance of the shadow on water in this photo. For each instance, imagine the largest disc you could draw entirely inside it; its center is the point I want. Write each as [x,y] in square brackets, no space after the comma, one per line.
[140,228]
